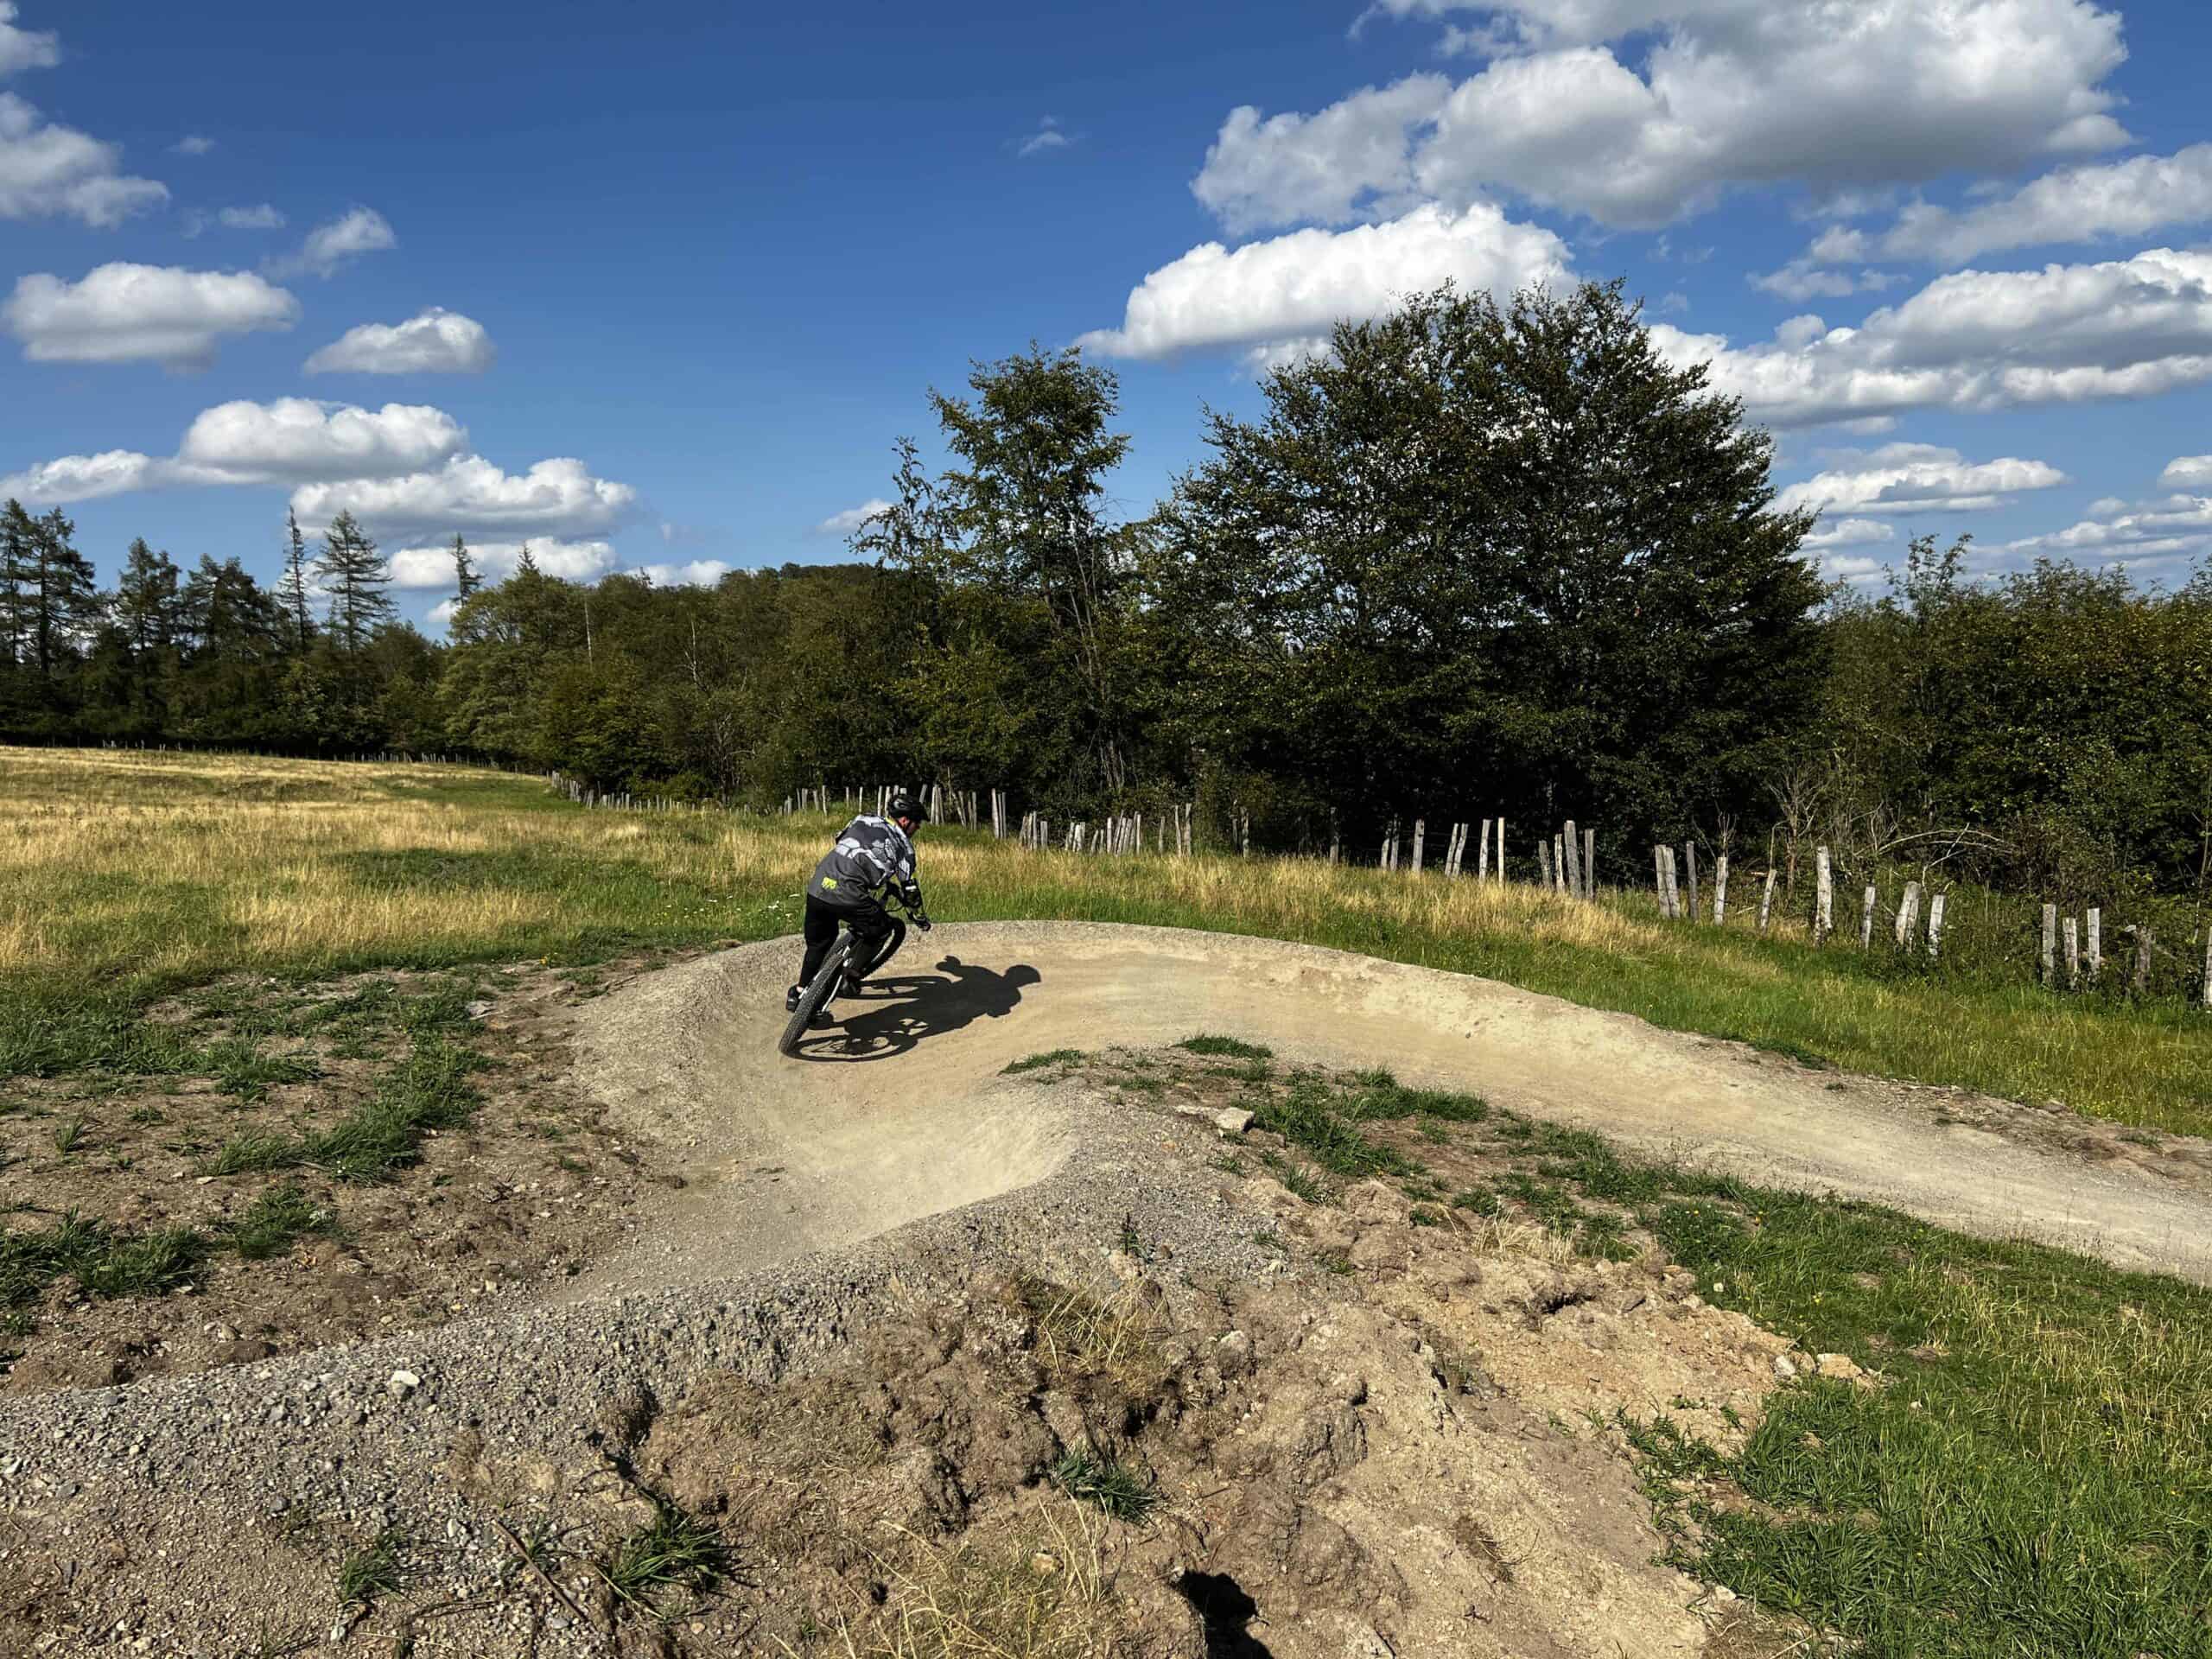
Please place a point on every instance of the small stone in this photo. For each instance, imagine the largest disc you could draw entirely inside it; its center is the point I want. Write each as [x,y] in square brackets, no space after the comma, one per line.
[403,1384]
[1783,1368]
[1044,1564]
[1723,1594]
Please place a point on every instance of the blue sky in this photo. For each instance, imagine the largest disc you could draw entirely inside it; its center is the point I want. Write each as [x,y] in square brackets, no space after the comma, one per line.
[697,264]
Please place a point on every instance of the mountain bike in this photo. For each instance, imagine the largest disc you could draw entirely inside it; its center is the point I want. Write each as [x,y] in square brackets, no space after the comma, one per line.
[838,967]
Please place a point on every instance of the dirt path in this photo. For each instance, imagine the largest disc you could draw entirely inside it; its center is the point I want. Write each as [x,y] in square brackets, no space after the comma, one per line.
[884,1119]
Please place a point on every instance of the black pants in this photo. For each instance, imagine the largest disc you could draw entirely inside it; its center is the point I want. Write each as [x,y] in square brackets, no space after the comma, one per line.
[870,925]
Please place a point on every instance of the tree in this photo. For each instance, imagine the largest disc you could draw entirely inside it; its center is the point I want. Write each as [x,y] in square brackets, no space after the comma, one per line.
[18,534]
[350,571]
[59,593]
[1014,536]
[292,591]
[1509,550]
[148,607]
[464,569]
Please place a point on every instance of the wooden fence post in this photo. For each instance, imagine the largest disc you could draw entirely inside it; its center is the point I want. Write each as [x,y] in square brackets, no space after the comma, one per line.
[1543,863]
[1573,860]
[1482,854]
[1689,864]
[1866,918]
[1935,925]
[2049,944]
[1589,863]
[1500,852]
[1659,879]
[1908,914]
[1766,899]
[1720,890]
[1824,904]
[1420,838]
[2073,932]
[2142,960]
[2096,943]
[2206,990]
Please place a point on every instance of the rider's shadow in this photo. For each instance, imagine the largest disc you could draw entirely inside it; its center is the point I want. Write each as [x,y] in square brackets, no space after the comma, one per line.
[896,1011]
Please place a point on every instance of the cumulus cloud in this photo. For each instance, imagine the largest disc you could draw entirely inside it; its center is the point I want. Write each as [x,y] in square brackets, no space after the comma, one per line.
[25,48]
[296,438]
[50,171]
[1832,96]
[1981,339]
[260,217]
[2179,524]
[193,144]
[555,498]
[432,567]
[1297,287]
[328,247]
[2075,204]
[1802,280]
[435,341]
[845,523]
[281,442]
[1849,532]
[2187,473]
[1918,477]
[140,313]
[81,478]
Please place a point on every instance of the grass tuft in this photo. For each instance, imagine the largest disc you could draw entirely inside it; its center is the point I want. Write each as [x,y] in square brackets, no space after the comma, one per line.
[1038,1062]
[367,1574]
[1233,1048]
[672,1551]
[1106,1483]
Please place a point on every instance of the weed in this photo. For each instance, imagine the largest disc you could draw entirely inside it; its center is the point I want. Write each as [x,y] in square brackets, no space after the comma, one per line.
[69,1134]
[1334,1261]
[277,1217]
[253,1150]
[1106,1482]
[240,1067]
[429,1090]
[146,1265]
[672,1551]
[1422,1217]
[1298,1180]
[367,1574]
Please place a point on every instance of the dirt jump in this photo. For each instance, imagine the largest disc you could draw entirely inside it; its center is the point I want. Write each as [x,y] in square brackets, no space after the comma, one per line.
[885,1117]
[901,1308]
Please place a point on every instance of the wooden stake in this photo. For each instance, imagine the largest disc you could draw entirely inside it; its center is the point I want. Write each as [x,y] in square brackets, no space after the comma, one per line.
[1689,861]
[1867,918]
[1824,906]
[1500,852]
[1908,914]
[2050,944]
[1544,863]
[2206,996]
[1590,864]
[1573,860]
[1659,879]
[2072,930]
[1935,925]
[1420,836]
[1482,857]
[2096,919]
[2142,962]
[1720,890]
[1766,899]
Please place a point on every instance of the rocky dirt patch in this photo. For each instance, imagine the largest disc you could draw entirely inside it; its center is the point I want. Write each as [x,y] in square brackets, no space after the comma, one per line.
[227,1231]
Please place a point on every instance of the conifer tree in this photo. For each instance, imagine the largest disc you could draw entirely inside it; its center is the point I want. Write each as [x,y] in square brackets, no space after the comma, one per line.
[61,594]
[355,578]
[292,589]
[464,568]
[147,608]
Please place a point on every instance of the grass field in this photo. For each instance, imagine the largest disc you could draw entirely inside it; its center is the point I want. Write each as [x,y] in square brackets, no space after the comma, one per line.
[126,874]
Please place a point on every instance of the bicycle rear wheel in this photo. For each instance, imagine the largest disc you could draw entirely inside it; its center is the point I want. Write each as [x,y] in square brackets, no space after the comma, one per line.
[812,999]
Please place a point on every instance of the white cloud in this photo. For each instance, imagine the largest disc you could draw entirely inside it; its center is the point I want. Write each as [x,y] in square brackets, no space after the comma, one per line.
[362,230]
[2075,204]
[698,573]
[1918,477]
[1298,286]
[1844,94]
[1856,569]
[1849,532]
[192,144]
[435,341]
[2186,472]
[25,48]
[49,171]
[295,439]
[1048,136]
[1802,280]
[432,566]
[556,498]
[845,523]
[2179,524]
[140,313]
[1982,340]
[260,217]
[82,477]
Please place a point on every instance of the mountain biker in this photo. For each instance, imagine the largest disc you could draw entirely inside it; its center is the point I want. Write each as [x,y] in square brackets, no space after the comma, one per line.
[874,855]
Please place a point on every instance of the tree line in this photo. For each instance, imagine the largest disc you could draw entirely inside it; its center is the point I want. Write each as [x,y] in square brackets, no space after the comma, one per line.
[1477,559]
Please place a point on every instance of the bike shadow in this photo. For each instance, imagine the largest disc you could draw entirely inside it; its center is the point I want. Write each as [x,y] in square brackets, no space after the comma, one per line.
[896,1012]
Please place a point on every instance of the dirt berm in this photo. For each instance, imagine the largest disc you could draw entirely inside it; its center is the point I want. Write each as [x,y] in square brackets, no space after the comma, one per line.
[901,1298]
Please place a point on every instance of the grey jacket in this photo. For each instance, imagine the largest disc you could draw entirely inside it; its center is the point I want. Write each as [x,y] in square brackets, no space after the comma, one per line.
[872,855]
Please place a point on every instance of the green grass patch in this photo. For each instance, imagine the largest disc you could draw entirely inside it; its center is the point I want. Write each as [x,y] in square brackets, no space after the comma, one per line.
[1231,1047]
[103,1263]
[672,1551]
[274,1220]
[367,1574]
[429,1090]
[1038,1062]
[239,1067]
[1108,1484]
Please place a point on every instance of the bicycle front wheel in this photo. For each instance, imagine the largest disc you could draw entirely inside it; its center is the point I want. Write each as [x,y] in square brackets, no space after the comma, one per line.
[812,999]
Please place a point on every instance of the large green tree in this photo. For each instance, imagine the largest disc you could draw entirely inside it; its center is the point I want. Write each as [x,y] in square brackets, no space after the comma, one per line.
[1479,557]
[353,574]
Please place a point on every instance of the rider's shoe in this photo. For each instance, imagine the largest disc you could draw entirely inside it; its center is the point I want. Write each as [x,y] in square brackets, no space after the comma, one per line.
[791,997]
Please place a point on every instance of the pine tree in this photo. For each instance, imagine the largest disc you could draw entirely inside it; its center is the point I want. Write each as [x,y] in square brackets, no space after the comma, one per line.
[147,608]
[62,594]
[292,589]
[523,561]
[464,568]
[17,534]
[355,578]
